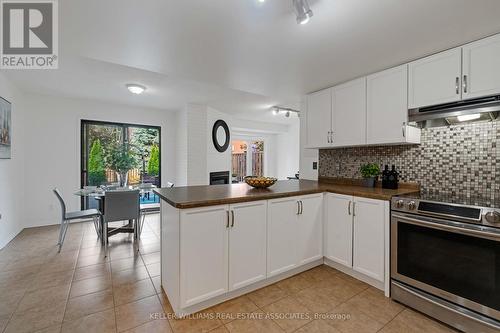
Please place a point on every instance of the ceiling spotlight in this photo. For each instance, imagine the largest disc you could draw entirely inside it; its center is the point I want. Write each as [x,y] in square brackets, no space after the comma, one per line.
[261,1]
[302,10]
[135,88]
[287,114]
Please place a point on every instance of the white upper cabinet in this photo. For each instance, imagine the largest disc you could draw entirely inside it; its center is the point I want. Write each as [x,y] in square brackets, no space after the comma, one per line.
[435,79]
[349,113]
[387,108]
[247,243]
[319,121]
[481,68]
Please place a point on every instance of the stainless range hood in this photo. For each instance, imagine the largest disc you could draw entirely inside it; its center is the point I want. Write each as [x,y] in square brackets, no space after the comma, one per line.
[482,109]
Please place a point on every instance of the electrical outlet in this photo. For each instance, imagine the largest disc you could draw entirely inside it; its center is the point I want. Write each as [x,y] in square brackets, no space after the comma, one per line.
[315,165]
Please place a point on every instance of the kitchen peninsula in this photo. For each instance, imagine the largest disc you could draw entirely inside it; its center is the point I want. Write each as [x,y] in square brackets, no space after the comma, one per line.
[221,241]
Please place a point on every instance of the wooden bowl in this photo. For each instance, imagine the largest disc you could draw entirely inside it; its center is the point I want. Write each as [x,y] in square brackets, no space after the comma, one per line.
[260,182]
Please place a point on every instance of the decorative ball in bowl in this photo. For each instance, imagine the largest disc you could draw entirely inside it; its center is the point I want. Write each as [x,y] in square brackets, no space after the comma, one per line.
[260,182]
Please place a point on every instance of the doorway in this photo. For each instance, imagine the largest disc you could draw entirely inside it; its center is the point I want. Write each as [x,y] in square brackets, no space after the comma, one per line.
[247,159]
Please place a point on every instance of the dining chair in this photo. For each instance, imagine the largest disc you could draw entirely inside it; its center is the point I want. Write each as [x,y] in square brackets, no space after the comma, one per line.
[122,205]
[66,217]
[150,208]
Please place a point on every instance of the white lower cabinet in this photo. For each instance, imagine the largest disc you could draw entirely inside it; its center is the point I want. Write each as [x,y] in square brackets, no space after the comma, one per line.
[210,253]
[338,229]
[368,237]
[294,235]
[282,235]
[247,243]
[222,248]
[355,233]
[203,254]
[310,229]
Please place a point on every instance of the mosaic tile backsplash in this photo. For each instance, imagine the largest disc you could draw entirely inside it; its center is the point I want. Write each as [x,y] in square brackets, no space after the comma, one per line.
[459,160]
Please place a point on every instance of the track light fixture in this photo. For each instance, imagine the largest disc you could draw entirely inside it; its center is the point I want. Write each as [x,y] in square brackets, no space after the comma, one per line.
[286,111]
[302,10]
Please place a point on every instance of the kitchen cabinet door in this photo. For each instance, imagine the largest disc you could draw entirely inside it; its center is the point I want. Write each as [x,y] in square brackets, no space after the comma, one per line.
[247,243]
[481,68]
[338,228]
[435,79]
[369,240]
[349,113]
[203,253]
[319,113]
[282,254]
[310,229]
[387,106]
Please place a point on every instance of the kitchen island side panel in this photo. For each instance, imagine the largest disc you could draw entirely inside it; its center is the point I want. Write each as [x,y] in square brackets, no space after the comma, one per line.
[170,253]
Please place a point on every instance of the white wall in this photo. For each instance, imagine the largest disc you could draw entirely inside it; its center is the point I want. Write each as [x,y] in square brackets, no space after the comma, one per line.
[288,152]
[307,156]
[53,148]
[12,194]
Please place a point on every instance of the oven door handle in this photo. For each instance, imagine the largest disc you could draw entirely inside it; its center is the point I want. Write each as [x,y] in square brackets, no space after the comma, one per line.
[471,230]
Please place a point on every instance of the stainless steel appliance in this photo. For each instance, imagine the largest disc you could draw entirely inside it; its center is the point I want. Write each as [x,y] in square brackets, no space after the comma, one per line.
[445,259]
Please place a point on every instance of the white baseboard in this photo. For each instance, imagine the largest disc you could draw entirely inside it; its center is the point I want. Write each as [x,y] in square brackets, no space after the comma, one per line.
[245,290]
[349,271]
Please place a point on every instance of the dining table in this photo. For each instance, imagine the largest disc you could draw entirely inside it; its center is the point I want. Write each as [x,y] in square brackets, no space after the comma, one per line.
[99,194]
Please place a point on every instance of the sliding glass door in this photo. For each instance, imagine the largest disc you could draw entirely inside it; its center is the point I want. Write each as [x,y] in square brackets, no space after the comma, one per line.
[115,154]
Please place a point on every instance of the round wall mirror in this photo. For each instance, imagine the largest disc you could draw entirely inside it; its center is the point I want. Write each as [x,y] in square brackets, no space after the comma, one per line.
[220,135]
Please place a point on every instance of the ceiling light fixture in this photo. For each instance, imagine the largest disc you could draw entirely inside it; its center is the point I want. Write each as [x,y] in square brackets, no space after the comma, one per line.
[302,10]
[135,88]
[469,117]
[287,111]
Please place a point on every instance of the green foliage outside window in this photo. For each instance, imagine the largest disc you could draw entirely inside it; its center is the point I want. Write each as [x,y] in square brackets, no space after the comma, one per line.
[96,168]
[154,162]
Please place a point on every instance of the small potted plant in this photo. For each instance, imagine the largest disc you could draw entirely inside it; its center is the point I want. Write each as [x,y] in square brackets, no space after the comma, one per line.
[370,172]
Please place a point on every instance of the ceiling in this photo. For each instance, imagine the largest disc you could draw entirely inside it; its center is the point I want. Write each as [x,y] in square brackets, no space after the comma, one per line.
[243,56]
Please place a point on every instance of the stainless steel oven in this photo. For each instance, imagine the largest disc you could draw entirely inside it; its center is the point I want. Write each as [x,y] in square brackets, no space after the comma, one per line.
[445,261]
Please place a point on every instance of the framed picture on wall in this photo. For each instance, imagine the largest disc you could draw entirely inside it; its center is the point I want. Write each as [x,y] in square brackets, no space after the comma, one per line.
[5,128]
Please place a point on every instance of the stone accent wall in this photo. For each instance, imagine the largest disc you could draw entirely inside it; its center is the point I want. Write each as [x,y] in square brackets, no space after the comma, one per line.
[459,160]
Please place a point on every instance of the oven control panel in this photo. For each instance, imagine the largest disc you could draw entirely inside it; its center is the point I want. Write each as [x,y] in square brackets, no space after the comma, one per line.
[463,213]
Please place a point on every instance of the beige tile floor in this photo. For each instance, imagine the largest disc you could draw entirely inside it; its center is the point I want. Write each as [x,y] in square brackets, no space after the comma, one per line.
[80,290]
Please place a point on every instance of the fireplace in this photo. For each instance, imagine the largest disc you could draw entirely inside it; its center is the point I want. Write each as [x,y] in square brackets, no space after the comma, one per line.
[220,177]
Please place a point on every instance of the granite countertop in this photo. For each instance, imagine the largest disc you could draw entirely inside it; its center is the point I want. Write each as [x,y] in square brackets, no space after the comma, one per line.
[200,196]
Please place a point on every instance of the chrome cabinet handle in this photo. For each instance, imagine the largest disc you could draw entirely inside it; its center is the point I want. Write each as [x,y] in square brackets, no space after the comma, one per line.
[349,208]
[232,218]
[465,84]
[298,207]
[354,209]
[457,85]
[227,219]
[301,207]
[404,129]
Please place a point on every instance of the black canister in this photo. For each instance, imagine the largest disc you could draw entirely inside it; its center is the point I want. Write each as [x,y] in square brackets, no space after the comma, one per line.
[385,177]
[392,181]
